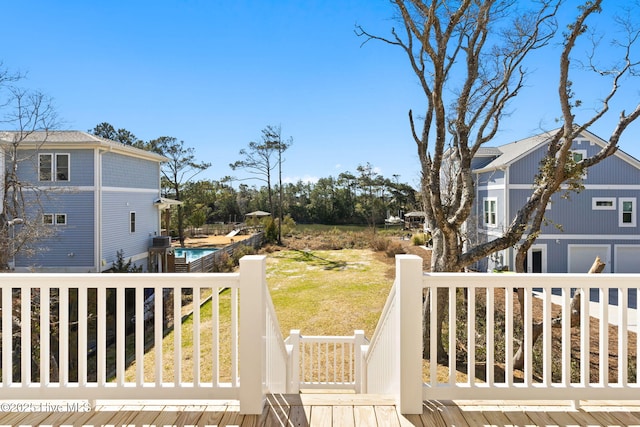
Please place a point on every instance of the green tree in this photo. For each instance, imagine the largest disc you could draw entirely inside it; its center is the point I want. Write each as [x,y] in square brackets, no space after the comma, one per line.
[261,158]
[107,131]
[181,168]
[371,184]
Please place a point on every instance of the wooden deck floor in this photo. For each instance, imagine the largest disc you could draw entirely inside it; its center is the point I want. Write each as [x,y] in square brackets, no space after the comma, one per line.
[334,410]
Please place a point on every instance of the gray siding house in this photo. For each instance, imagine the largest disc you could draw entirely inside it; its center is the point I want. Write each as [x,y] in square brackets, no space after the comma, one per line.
[601,220]
[100,197]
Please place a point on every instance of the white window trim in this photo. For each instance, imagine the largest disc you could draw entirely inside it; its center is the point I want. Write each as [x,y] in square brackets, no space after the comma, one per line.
[54,167]
[634,213]
[542,248]
[582,152]
[595,200]
[51,161]
[68,156]
[60,215]
[54,219]
[495,212]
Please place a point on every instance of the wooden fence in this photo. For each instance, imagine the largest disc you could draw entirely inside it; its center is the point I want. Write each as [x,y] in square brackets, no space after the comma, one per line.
[207,263]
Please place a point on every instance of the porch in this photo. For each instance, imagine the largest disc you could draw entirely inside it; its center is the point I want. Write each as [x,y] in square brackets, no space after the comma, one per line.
[233,356]
[340,410]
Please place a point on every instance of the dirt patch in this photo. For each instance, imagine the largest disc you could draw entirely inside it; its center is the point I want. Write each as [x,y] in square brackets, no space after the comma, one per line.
[210,241]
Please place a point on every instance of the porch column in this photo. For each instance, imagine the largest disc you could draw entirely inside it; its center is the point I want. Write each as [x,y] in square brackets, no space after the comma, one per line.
[253,332]
[409,288]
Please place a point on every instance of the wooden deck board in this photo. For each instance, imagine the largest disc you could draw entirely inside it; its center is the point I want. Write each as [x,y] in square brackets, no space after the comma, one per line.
[364,415]
[387,416]
[321,416]
[212,415]
[343,416]
[337,410]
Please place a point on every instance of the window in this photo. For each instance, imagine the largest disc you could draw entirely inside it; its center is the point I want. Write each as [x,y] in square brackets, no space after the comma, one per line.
[603,203]
[45,166]
[54,219]
[48,163]
[62,167]
[627,212]
[132,222]
[490,210]
[578,155]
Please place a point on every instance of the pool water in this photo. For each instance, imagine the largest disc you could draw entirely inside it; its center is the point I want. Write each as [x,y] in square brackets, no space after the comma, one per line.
[193,254]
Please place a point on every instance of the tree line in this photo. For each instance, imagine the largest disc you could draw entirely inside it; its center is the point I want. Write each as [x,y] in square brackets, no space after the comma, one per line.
[364,197]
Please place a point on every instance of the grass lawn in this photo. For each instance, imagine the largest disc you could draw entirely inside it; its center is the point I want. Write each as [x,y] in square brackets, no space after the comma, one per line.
[328,292]
[319,292]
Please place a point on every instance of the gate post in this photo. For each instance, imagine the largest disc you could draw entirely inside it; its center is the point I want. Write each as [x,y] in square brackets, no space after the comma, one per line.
[409,288]
[293,385]
[253,333]
[360,373]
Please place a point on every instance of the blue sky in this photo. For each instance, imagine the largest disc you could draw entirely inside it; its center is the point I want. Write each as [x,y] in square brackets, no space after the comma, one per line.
[215,73]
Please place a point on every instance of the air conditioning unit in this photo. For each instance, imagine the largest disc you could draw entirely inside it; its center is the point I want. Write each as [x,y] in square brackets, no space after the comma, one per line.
[162,242]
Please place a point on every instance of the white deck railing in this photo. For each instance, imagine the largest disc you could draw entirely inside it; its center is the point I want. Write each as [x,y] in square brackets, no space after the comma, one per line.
[482,332]
[326,362]
[61,337]
[278,364]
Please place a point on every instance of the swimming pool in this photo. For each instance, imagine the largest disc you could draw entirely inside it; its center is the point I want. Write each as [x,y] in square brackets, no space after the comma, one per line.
[193,254]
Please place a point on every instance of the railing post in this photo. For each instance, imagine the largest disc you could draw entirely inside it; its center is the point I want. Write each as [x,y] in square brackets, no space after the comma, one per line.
[358,342]
[252,340]
[294,362]
[409,288]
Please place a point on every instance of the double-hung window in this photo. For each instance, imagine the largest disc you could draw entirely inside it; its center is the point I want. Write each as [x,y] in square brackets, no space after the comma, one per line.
[490,212]
[627,212]
[53,167]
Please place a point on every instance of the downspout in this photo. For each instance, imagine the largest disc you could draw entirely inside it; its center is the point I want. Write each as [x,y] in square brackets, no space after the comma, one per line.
[510,254]
[2,174]
[477,225]
[98,209]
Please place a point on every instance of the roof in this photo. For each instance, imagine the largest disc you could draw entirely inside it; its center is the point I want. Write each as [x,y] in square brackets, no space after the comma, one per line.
[509,153]
[258,213]
[164,203]
[74,137]
[415,214]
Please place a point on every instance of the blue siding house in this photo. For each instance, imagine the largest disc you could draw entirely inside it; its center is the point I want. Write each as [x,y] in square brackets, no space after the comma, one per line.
[101,197]
[601,220]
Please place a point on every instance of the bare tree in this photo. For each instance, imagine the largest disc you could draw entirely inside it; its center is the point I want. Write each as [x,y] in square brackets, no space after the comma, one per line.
[27,116]
[470,59]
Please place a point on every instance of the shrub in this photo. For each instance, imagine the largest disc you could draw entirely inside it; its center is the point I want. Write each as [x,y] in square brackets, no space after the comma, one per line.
[271,231]
[379,243]
[419,239]
[122,266]
[288,225]
[393,249]
[221,263]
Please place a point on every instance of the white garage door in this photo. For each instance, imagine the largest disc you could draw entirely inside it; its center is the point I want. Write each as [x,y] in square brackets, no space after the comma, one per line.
[627,259]
[581,257]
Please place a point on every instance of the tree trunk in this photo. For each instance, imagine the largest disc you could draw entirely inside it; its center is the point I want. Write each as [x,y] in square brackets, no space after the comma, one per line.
[574,307]
[443,258]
